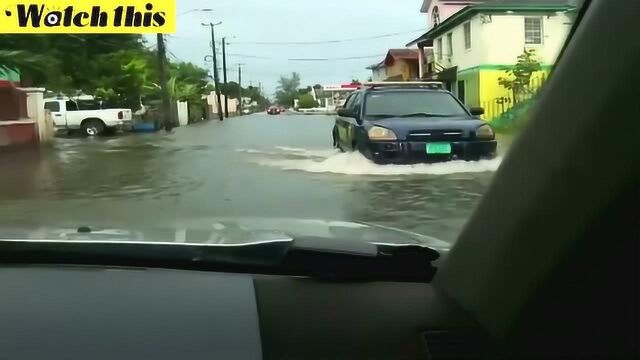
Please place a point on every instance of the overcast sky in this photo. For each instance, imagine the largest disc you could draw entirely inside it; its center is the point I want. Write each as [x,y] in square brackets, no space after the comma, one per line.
[252,21]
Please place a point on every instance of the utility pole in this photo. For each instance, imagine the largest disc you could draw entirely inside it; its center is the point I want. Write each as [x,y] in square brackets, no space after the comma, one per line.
[224,75]
[216,78]
[240,89]
[162,72]
[260,93]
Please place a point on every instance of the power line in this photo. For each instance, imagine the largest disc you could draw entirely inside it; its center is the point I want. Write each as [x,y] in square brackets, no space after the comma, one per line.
[335,41]
[321,42]
[307,59]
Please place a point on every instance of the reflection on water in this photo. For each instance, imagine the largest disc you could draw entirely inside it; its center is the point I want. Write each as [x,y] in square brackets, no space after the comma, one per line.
[249,166]
[432,205]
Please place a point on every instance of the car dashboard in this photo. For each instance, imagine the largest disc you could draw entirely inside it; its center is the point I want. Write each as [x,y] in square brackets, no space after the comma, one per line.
[102,312]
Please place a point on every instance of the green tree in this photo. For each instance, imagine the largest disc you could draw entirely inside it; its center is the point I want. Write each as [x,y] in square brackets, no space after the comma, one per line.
[230,89]
[518,79]
[287,90]
[188,73]
[307,101]
[123,78]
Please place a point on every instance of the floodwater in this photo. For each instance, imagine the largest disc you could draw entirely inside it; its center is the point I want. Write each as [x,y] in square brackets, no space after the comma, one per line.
[253,166]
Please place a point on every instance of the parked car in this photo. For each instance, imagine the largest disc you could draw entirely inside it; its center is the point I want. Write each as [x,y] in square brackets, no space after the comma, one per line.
[273,110]
[67,115]
[411,123]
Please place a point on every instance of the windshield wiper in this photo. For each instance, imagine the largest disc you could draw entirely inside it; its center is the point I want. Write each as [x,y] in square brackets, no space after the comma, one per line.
[313,257]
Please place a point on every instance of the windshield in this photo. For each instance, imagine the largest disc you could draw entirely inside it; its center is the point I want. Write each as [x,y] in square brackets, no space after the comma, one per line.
[233,113]
[410,103]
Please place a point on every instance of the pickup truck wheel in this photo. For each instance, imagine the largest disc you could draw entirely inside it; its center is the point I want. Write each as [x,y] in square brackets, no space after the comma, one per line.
[92,127]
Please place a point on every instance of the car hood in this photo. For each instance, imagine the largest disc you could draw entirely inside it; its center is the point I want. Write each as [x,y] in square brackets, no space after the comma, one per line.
[402,126]
[229,231]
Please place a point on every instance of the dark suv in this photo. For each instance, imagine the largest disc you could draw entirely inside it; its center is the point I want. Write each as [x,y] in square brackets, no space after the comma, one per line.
[412,123]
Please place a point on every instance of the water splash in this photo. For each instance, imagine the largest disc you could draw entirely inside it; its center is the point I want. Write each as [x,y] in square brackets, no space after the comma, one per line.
[354,163]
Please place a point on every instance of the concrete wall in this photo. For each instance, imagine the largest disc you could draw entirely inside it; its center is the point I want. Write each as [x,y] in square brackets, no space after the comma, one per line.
[18,133]
[12,104]
[213,108]
[183,112]
[461,57]
[510,30]
[35,127]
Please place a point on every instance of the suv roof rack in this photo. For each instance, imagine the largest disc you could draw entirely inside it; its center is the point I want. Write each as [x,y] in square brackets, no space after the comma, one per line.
[404,84]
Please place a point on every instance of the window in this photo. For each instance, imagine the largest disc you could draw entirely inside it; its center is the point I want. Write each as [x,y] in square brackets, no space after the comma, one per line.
[533,30]
[467,35]
[349,101]
[355,104]
[52,106]
[402,103]
[450,45]
[72,106]
[440,49]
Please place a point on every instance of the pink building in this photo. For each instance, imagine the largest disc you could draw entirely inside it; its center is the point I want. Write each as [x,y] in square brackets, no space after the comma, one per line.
[439,10]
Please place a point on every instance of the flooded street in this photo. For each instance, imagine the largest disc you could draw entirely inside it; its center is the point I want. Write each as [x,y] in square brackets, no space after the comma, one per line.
[254,166]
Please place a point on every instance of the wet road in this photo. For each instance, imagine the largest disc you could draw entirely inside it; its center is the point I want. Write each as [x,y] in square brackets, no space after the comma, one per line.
[256,165]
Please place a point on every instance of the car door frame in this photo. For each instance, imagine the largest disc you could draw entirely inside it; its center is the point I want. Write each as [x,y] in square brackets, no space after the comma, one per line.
[342,123]
[348,126]
[59,117]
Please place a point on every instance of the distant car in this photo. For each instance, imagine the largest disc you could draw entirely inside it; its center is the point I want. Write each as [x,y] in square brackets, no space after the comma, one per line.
[274,110]
[412,123]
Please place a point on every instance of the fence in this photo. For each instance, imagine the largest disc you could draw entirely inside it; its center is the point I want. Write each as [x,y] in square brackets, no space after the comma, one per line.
[497,108]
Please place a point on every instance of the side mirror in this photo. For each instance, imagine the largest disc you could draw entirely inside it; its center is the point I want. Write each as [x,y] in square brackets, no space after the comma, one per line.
[346,113]
[476,111]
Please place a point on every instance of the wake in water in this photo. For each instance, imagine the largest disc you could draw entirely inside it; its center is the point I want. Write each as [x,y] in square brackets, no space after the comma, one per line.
[354,163]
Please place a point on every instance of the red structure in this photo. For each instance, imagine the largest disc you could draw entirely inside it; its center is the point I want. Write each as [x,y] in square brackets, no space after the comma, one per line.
[15,126]
[13,102]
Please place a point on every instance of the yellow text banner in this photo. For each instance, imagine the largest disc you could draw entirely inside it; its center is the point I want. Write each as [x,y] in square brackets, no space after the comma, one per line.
[87,16]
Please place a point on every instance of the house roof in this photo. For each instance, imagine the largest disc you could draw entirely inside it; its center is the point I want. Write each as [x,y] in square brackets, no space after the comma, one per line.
[426,4]
[396,54]
[403,54]
[376,66]
[495,6]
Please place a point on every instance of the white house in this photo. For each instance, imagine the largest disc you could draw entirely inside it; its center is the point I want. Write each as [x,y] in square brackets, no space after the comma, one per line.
[472,46]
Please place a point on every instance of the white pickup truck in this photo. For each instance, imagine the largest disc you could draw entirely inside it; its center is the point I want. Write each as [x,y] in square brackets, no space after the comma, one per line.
[66,115]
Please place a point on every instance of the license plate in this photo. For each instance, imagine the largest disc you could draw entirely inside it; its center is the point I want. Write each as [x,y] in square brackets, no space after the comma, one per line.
[438,148]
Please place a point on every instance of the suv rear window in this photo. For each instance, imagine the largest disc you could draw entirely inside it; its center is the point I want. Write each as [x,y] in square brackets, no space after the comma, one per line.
[399,103]
[52,106]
